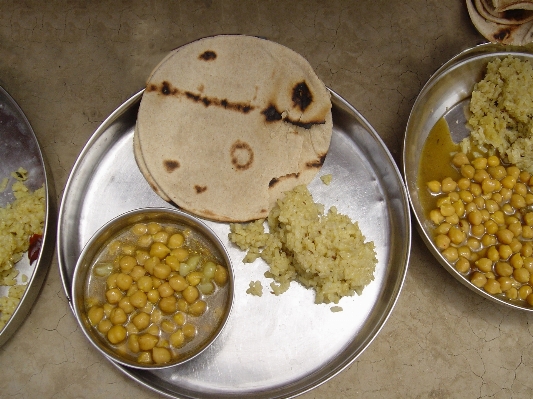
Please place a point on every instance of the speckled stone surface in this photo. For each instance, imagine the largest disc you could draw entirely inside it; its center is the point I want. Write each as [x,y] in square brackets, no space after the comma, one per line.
[69,64]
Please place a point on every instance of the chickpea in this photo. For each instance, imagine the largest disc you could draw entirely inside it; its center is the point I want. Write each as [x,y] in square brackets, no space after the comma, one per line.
[154,228]
[153,295]
[503,269]
[190,294]
[173,262]
[161,355]
[453,219]
[524,291]
[178,283]
[208,287]
[127,263]
[529,299]
[527,232]
[182,254]
[480,176]
[459,208]
[529,199]
[475,218]
[479,163]
[141,256]
[124,281]
[221,275]
[467,171]
[528,218]
[183,305]
[189,330]
[137,272]
[145,241]
[145,283]
[162,271]
[505,236]
[460,159]
[111,281]
[518,201]
[139,229]
[168,326]
[116,334]
[527,249]
[511,293]
[505,251]
[153,329]
[448,185]
[505,283]
[515,245]
[521,275]
[198,308]
[165,290]
[487,240]
[177,339]
[114,295]
[108,308]
[492,286]
[151,263]
[484,265]
[168,304]
[104,326]
[493,160]
[145,357]
[159,250]
[126,305]
[177,240]
[133,343]
[475,189]
[141,320]
[463,184]
[478,279]
[528,263]
[95,314]
[118,316]
[180,318]
[161,236]
[138,299]
[147,341]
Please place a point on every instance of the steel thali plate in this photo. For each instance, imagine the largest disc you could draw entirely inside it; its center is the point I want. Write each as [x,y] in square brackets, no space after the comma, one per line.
[272,346]
[447,92]
[19,148]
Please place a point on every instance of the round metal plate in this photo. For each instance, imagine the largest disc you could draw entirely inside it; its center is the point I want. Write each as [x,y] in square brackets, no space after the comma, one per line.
[450,86]
[19,148]
[272,346]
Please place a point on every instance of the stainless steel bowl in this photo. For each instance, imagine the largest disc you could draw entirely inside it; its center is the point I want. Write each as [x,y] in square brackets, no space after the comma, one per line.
[449,86]
[200,232]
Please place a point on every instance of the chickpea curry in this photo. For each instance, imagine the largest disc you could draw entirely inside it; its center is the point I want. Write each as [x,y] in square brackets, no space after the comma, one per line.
[155,293]
[481,215]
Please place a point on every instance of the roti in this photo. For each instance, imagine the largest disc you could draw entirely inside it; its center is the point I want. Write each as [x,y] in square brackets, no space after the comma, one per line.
[228,123]
[511,26]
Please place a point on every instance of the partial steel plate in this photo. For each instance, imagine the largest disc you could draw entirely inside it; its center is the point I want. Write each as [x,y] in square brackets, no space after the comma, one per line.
[272,346]
[19,148]
[447,89]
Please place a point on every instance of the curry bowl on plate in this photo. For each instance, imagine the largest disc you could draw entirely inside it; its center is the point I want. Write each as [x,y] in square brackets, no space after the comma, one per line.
[153,288]
[471,203]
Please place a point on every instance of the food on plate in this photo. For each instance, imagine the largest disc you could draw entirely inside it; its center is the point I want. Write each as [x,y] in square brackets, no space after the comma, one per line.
[326,179]
[325,252]
[255,288]
[155,292]
[501,108]
[480,213]
[228,123]
[21,223]
[503,21]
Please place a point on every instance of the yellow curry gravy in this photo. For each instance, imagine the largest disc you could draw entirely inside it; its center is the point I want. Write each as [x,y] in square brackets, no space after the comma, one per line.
[435,163]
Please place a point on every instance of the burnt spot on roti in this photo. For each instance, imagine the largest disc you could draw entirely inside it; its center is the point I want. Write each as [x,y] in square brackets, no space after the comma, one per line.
[242,155]
[167,89]
[208,55]
[200,189]
[276,180]
[271,114]
[301,96]
[171,165]
[502,34]
[316,163]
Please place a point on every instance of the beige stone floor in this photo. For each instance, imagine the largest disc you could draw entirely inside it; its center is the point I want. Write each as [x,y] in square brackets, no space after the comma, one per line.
[69,64]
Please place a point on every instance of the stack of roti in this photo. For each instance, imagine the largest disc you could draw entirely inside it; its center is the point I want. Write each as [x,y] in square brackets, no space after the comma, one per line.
[228,123]
[503,21]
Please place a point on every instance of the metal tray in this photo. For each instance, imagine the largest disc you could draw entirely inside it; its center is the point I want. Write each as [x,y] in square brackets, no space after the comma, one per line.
[272,346]
[19,148]
[445,93]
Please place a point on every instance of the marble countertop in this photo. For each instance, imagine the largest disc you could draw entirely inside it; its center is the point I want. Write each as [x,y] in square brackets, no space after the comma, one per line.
[69,64]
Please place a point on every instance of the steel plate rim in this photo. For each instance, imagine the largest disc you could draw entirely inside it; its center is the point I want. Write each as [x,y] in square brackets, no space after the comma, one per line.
[397,287]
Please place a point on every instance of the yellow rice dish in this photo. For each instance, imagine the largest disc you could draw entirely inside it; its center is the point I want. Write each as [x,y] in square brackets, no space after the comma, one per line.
[19,220]
[501,109]
[325,252]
